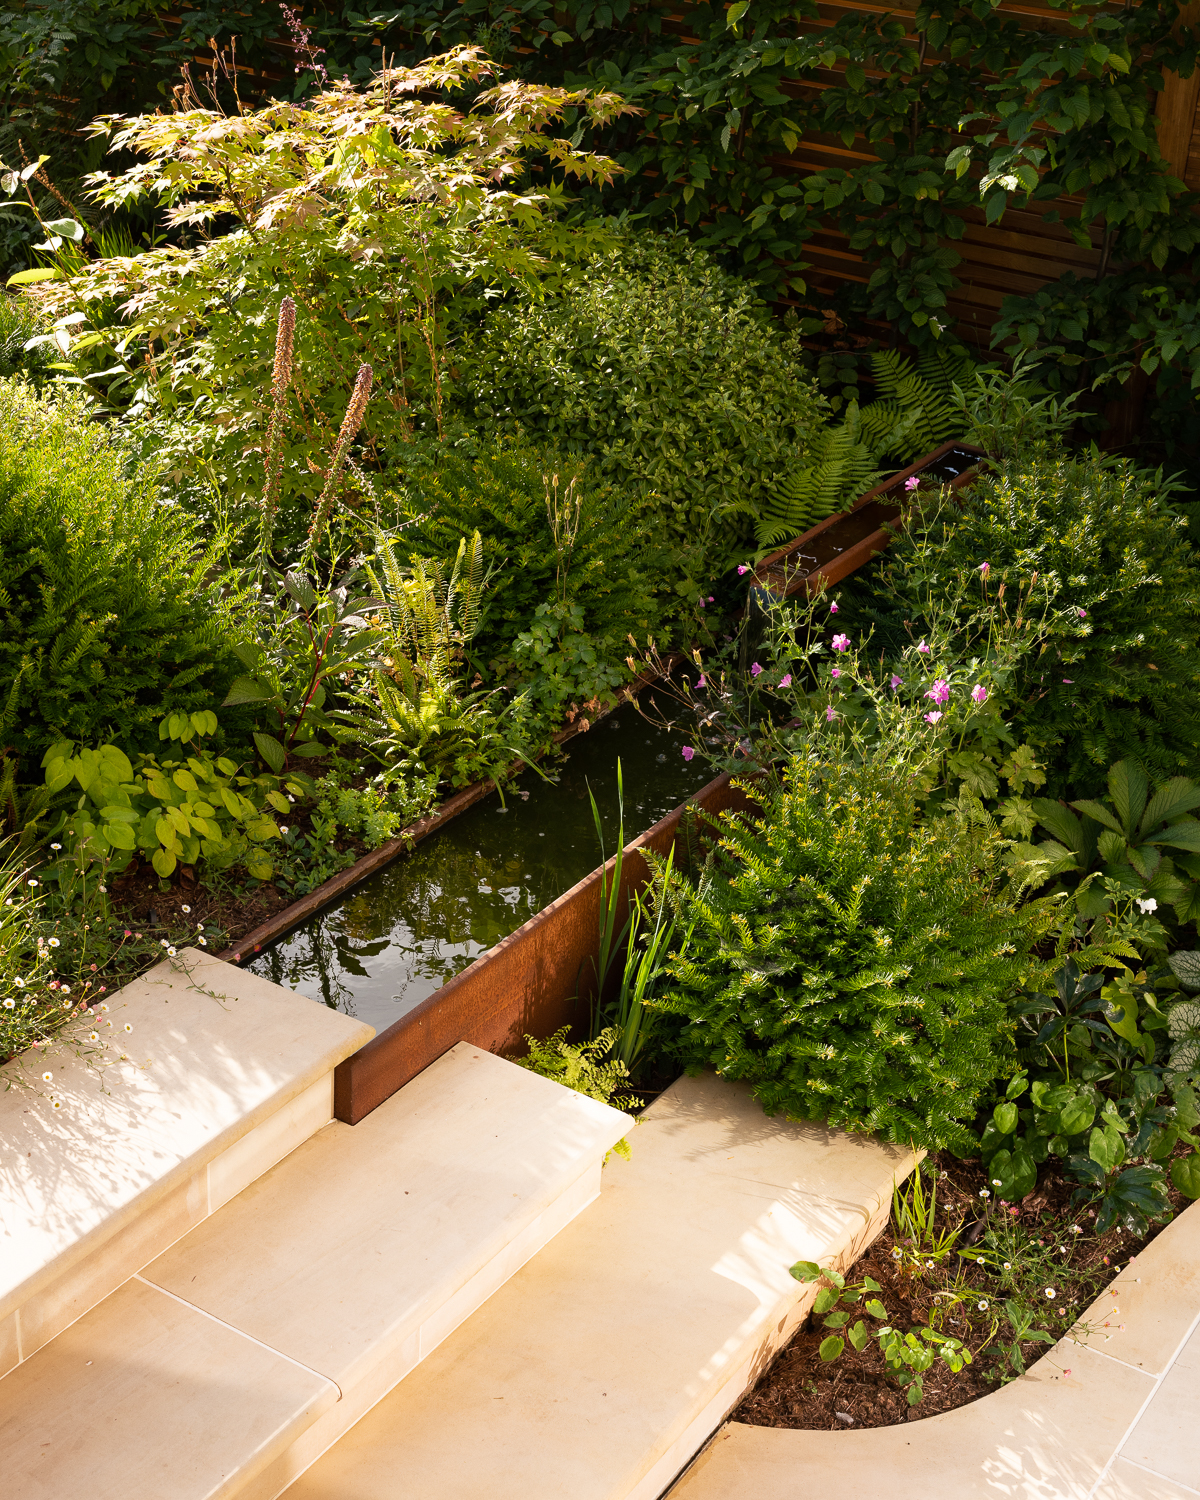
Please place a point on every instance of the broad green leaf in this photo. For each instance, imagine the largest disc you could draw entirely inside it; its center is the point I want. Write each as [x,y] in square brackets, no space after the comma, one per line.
[184,780]
[859,1336]
[831,1347]
[120,835]
[875,1308]
[271,751]
[1005,1116]
[1185,1174]
[805,1270]
[1106,1147]
[248,690]
[1076,1114]
[164,862]
[827,1297]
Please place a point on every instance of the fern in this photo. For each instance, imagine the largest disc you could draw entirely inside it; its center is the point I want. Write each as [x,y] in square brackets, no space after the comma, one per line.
[924,394]
[844,467]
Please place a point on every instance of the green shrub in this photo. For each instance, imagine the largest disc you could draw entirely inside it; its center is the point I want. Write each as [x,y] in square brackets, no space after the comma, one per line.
[574,567]
[318,198]
[850,961]
[667,369]
[19,322]
[1119,673]
[108,611]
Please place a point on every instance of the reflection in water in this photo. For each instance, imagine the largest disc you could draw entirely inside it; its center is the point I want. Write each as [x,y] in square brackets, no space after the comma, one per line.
[421,920]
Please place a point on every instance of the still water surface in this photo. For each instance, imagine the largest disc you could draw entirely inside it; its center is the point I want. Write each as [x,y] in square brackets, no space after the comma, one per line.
[415,924]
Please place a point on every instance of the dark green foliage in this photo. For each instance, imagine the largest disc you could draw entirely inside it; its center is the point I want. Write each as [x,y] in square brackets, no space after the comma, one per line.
[667,369]
[107,614]
[560,609]
[1122,678]
[19,323]
[850,961]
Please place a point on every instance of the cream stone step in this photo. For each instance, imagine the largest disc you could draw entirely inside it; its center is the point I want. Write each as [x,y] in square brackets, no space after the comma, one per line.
[221,1075]
[602,1367]
[250,1346]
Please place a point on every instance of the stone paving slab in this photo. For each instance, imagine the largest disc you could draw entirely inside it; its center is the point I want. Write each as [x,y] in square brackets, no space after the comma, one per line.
[1112,1412]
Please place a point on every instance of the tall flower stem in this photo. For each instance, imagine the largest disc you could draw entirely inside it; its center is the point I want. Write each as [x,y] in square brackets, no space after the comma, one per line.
[351,422]
[281,378]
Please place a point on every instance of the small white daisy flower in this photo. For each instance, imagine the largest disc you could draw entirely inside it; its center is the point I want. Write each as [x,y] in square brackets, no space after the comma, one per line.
[186,909]
[203,941]
[982,1304]
[47,1077]
[54,943]
[1051,1293]
[171,952]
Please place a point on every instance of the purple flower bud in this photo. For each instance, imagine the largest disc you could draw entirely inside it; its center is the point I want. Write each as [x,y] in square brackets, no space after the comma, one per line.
[984,569]
[743,568]
[702,682]
[688,752]
[833,609]
[711,598]
[785,680]
[841,643]
[700,603]
[896,682]
[1083,614]
[755,670]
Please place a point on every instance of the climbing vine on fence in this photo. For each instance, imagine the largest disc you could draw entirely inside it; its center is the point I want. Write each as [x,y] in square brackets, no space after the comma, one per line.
[941,110]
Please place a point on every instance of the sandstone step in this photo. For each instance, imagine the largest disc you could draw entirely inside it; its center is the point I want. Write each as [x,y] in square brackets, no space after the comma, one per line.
[322,1284]
[222,1074]
[601,1368]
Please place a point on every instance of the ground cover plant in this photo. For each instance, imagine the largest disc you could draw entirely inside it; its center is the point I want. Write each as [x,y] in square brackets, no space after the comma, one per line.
[1006,1281]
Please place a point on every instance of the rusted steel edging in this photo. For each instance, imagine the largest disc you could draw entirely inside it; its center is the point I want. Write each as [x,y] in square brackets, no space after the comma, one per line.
[531,983]
[328,891]
[854,557]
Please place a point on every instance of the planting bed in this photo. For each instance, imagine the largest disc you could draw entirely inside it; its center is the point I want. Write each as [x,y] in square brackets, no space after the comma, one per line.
[801,1390]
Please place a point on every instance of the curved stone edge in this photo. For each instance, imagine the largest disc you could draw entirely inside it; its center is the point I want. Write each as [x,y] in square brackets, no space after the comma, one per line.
[1084,1421]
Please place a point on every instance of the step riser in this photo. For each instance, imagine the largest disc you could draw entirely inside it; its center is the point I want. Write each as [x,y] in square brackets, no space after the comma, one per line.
[134,1240]
[355,1404]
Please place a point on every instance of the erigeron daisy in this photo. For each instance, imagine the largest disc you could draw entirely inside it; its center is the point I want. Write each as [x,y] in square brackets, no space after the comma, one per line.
[9,1004]
[127,1027]
[47,1077]
[170,952]
[56,1104]
[982,1304]
[187,910]
[1051,1293]
[983,1193]
[54,943]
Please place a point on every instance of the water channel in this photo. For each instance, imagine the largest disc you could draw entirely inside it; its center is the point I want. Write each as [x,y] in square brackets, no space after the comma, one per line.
[422,919]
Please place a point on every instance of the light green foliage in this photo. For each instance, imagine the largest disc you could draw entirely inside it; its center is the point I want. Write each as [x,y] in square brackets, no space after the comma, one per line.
[581,1066]
[850,961]
[178,809]
[307,638]
[1118,675]
[1138,846]
[110,602]
[1010,415]
[571,579]
[373,207]
[19,323]
[667,369]
[907,1355]
[415,713]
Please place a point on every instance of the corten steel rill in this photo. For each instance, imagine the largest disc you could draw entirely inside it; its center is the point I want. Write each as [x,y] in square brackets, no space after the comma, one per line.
[527,984]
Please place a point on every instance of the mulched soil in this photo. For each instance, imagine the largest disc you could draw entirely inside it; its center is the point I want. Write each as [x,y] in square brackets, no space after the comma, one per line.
[801,1390]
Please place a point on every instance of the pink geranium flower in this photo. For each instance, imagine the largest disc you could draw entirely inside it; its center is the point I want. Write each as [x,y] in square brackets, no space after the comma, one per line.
[841,643]
[755,670]
[785,680]
[833,609]
[896,682]
[743,568]
[688,752]
[979,693]
[923,649]
[830,716]
[940,691]
[933,717]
